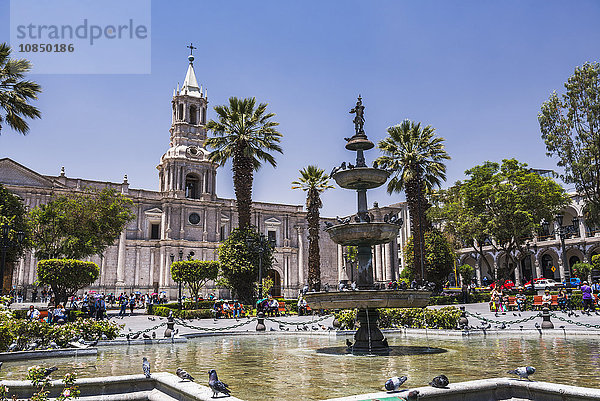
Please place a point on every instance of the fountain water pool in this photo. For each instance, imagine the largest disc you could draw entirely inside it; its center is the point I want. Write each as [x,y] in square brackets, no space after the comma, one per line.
[289,367]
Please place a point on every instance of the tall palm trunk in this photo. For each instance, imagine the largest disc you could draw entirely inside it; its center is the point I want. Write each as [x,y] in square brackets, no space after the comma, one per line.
[419,224]
[314,257]
[243,175]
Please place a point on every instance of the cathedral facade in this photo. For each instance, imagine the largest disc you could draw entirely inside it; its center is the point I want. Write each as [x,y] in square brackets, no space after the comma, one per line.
[186,219]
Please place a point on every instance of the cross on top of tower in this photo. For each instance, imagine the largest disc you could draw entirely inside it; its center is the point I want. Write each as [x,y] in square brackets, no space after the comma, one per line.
[191,56]
[191,47]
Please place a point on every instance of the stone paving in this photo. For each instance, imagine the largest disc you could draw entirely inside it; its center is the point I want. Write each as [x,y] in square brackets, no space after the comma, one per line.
[479,313]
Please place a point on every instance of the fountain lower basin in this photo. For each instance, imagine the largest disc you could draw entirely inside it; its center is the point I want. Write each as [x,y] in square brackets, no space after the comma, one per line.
[368,299]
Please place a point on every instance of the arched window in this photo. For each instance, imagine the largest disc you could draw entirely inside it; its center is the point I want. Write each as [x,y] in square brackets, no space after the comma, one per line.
[573,260]
[180,111]
[193,114]
[192,190]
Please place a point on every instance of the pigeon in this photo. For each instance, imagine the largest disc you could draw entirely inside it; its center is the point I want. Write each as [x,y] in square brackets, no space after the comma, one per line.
[328,224]
[183,375]
[440,381]
[350,166]
[348,343]
[93,343]
[146,336]
[343,166]
[216,385]
[154,334]
[146,367]
[104,336]
[13,347]
[48,371]
[176,332]
[523,372]
[413,395]
[52,345]
[136,335]
[394,383]
[1,365]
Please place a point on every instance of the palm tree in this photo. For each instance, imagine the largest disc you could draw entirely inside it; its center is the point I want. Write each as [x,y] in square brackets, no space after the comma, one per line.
[246,136]
[313,180]
[416,157]
[15,92]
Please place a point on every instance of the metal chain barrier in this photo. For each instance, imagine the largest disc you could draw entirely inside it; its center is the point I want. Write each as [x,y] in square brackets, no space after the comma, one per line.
[189,326]
[137,333]
[483,319]
[589,326]
[298,323]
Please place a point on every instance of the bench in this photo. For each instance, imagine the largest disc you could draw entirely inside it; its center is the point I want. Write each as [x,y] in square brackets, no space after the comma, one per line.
[554,303]
[537,302]
[512,303]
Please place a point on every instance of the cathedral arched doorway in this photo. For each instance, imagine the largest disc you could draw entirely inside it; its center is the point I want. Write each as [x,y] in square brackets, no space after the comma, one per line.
[276,278]
[192,186]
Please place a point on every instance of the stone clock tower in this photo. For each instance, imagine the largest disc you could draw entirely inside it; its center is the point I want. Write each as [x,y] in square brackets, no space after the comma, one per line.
[184,170]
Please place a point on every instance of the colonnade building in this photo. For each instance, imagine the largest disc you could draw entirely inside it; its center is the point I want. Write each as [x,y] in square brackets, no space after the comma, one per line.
[186,216]
[543,257]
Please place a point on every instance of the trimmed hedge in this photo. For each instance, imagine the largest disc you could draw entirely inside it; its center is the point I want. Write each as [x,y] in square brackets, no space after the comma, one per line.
[444,318]
[182,314]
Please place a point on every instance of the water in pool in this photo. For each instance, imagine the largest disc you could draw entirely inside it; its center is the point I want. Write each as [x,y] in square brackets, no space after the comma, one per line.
[265,367]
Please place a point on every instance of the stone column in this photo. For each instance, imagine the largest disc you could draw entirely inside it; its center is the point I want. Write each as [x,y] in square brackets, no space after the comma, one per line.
[340,262]
[538,267]
[518,274]
[378,264]
[561,267]
[136,279]
[151,272]
[581,227]
[21,270]
[389,262]
[300,256]
[121,260]
[31,268]
[161,267]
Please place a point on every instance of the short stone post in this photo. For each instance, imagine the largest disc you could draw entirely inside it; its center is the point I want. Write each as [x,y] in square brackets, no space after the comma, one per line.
[546,323]
[260,326]
[463,322]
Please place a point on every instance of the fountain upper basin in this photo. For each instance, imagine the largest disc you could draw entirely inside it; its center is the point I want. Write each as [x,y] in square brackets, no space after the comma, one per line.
[365,234]
[361,178]
[368,299]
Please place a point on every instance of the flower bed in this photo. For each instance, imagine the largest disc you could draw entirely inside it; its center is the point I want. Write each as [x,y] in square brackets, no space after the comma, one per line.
[443,318]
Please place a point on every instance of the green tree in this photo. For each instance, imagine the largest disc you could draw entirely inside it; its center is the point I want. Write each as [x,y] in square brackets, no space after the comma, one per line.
[245,135]
[13,213]
[195,273]
[416,156]
[501,206]
[239,264]
[66,276]
[596,262]
[75,226]
[439,258]
[313,181]
[570,128]
[15,92]
[582,270]
[466,272]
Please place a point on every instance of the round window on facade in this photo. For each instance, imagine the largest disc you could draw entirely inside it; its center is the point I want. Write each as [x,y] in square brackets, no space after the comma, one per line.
[194,218]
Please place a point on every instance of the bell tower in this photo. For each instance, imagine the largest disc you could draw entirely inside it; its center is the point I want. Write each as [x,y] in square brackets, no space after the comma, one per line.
[184,170]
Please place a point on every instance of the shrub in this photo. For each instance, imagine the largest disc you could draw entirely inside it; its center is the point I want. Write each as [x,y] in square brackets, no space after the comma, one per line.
[182,314]
[444,318]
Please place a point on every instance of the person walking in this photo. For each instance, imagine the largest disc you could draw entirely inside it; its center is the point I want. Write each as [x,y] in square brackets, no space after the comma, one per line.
[100,308]
[588,303]
[123,304]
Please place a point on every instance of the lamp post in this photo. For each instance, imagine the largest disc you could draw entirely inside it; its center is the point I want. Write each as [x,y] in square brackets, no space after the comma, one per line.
[561,233]
[259,246]
[5,244]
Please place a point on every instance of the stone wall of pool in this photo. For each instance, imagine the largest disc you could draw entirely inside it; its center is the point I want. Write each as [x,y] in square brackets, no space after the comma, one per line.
[168,387]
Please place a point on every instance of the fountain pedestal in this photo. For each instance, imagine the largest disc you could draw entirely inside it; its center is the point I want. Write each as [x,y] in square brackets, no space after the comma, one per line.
[369,339]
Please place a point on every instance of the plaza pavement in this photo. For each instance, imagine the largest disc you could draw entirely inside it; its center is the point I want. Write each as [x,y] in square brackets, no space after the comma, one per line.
[478,313]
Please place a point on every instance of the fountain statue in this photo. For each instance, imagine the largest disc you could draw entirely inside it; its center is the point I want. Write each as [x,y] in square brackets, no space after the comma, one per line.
[362,231]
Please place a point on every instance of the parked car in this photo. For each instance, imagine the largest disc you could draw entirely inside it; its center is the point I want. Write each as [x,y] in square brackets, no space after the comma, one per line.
[528,284]
[545,283]
[574,282]
[508,285]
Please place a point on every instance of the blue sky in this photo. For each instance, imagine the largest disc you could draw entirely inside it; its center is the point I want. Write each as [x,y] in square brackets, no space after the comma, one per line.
[477,71]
